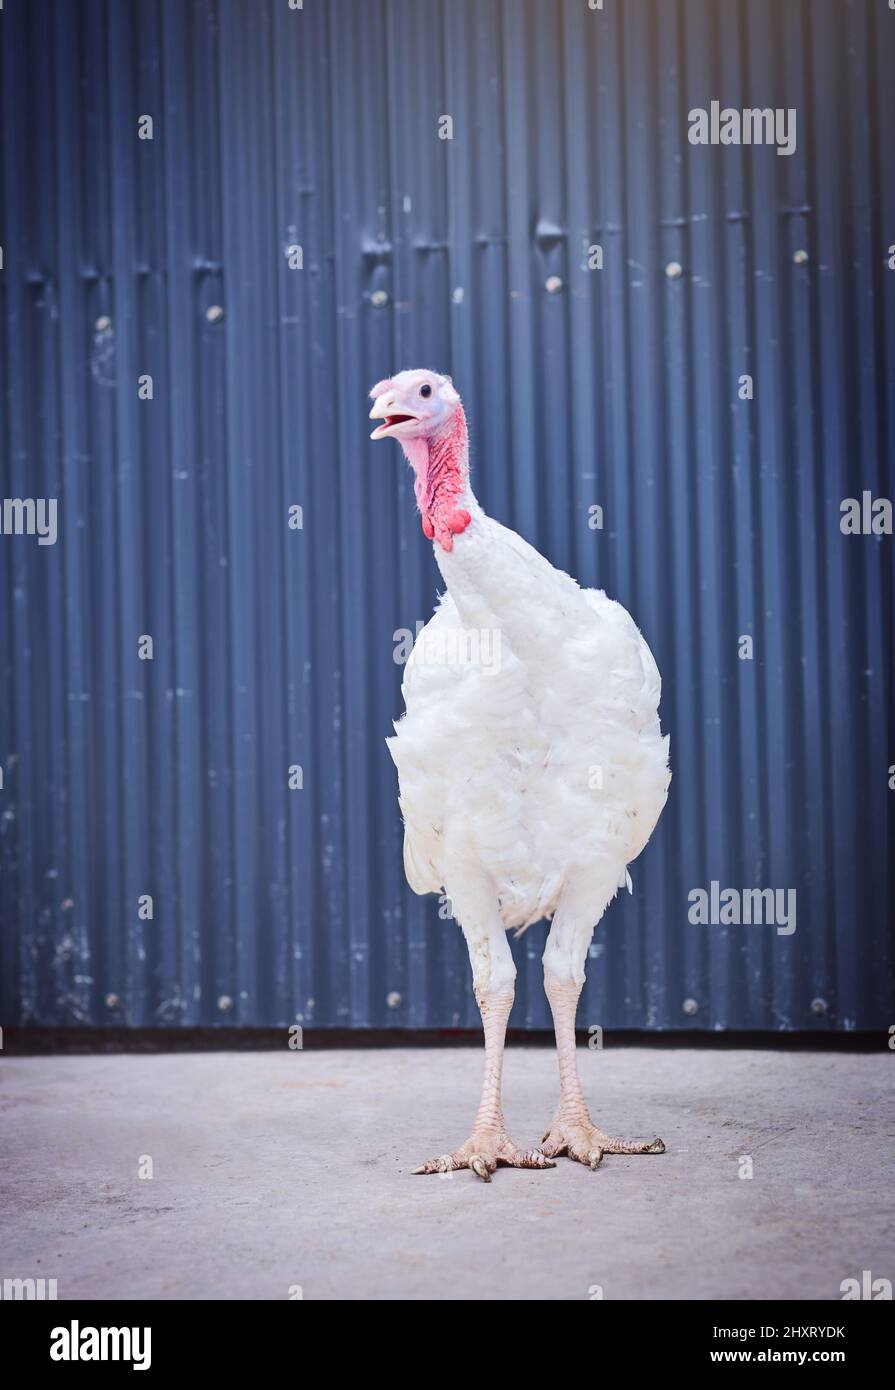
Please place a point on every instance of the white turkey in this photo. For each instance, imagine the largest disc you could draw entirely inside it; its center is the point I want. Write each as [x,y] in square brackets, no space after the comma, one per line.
[531,764]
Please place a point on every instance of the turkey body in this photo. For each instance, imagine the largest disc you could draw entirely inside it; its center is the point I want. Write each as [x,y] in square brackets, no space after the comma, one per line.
[531,748]
[531,764]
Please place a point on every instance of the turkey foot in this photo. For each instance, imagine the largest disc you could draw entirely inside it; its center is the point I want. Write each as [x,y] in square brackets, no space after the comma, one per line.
[484,1151]
[581,1140]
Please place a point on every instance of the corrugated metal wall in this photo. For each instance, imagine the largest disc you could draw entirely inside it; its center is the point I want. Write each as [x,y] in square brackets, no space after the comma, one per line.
[274,647]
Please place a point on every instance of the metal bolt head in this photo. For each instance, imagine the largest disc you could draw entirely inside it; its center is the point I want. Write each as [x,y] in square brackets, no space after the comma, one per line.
[553,284]
[214,313]
[690,1006]
[674,270]
[103,324]
[393,1000]
[225,1003]
[819,1006]
[800,257]
[379,298]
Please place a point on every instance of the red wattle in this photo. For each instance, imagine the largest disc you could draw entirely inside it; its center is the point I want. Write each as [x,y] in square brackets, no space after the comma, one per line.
[441,484]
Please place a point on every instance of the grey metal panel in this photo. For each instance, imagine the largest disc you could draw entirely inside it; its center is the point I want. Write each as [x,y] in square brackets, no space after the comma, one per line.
[275,647]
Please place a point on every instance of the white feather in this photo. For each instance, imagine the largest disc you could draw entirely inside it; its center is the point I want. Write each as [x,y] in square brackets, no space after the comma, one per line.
[554,761]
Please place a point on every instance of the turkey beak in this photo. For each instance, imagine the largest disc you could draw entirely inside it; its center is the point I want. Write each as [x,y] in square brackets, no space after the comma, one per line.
[380,412]
[386,409]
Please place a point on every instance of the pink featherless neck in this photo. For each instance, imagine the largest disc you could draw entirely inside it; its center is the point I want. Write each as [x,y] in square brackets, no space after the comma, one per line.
[441,464]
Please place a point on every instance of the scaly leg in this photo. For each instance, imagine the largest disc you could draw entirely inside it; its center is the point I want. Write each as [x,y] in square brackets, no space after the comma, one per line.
[572,1131]
[494,974]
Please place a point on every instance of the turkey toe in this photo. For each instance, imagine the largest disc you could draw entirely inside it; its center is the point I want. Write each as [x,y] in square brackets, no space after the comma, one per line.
[589,1145]
[483,1153]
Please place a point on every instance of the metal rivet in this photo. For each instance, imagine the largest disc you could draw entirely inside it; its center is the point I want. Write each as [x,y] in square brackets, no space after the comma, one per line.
[214,313]
[690,1006]
[378,298]
[393,1000]
[103,324]
[553,284]
[112,1001]
[819,1006]
[673,271]
[800,257]
[225,1003]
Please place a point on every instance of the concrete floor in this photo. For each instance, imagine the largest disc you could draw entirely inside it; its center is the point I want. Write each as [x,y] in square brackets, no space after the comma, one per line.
[279,1169]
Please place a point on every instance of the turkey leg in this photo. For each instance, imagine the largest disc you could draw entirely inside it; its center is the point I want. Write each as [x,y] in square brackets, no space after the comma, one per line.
[573,1132]
[489,1145]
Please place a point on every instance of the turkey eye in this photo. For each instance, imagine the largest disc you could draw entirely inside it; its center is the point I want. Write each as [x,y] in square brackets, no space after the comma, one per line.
[425,392]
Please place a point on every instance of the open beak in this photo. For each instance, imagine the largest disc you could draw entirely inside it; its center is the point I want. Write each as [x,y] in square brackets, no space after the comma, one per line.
[385,408]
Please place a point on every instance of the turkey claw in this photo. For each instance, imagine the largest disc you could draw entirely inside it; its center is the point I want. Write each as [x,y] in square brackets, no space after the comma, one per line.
[582,1141]
[483,1153]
